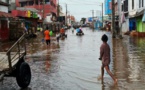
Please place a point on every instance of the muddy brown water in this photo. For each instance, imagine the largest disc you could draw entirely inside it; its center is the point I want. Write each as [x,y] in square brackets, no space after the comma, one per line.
[73,63]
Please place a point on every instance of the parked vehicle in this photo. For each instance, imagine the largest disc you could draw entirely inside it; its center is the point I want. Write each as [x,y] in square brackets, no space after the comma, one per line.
[79,32]
[12,63]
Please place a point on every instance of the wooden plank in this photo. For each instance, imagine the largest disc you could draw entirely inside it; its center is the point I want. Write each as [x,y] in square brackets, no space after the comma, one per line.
[4,60]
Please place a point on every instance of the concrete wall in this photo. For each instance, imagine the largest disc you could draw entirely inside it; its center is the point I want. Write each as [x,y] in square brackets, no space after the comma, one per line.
[136,5]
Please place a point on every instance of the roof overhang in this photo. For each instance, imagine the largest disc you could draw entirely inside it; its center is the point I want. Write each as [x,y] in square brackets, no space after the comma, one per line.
[7,15]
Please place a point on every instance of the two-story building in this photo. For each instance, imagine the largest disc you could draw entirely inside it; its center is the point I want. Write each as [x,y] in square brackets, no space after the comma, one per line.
[136,13]
[45,8]
[36,11]
[123,15]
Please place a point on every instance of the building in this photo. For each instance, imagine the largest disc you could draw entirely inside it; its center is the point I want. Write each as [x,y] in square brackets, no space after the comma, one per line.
[36,12]
[49,7]
[136,13]
[4,21]
[123,15]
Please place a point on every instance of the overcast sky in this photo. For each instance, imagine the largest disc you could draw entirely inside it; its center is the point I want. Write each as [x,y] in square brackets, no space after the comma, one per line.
[82,8]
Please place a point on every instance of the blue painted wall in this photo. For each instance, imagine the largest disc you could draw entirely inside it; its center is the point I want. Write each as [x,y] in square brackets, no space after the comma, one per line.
[107,7]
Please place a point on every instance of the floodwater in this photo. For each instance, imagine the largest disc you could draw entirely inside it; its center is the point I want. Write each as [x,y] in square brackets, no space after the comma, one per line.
[73,63]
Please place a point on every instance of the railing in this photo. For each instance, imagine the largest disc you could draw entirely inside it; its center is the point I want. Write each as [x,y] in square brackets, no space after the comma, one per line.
[17,49]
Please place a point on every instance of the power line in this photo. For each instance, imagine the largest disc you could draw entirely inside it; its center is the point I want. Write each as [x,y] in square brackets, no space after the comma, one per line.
[81,12]
[79,4]
[91,1]
[83,2]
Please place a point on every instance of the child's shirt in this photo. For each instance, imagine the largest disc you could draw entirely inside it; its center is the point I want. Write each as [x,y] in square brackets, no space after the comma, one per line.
[105,53]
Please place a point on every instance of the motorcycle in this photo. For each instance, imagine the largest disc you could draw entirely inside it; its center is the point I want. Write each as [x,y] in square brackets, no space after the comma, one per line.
[63,36]
[80,34]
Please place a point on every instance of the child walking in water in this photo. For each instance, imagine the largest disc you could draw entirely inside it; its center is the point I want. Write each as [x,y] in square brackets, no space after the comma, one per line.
[105,57]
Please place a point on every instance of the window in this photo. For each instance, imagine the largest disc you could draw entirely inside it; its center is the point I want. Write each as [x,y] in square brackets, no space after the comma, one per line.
[23,4]
[36,3]
[126,5]
[47,1]
[139,3]
[132,4]
[31,3]
[122,7]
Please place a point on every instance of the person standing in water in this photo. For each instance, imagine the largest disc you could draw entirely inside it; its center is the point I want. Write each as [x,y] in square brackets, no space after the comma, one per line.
[47,36]
[105,57]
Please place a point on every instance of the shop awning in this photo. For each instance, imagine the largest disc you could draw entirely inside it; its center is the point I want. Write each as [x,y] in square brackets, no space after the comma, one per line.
[136,13]
[7,15]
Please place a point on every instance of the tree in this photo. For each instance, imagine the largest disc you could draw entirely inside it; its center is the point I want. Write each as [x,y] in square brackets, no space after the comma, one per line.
[83,20]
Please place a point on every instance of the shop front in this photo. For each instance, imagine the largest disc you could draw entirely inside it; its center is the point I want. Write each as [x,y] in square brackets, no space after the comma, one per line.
[4,25]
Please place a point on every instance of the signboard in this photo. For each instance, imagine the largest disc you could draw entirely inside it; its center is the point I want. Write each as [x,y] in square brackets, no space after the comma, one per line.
[4,9]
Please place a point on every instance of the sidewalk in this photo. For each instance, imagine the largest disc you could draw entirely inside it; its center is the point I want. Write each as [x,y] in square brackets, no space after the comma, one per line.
[128,64]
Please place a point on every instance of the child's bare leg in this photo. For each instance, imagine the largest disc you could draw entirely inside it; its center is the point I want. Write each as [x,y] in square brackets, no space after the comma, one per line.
[109,72]
[102,73]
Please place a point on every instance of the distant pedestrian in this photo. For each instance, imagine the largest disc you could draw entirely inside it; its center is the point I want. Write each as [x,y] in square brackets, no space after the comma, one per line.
[47,36]
[105,57]
[57,36]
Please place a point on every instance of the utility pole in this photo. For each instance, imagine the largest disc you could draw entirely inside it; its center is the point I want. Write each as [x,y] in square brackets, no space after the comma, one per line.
[43,16]
[93,18]
[113,20]
[58,9]
[58,18]
[66,15]
[102,15]
[120,23]
[93,14]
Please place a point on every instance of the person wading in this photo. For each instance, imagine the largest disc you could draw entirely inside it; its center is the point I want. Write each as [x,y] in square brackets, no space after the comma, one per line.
[47,36]
[105,57]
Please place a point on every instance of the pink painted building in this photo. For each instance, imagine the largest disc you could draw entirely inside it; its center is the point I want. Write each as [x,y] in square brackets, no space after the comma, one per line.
[49,6]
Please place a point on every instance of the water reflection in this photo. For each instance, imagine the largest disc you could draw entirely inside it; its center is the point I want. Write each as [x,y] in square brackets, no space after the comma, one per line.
[73,63]
[47,63]
[129,64]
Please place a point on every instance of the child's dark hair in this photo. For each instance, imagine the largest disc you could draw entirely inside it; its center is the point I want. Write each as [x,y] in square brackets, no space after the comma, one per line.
[104,38]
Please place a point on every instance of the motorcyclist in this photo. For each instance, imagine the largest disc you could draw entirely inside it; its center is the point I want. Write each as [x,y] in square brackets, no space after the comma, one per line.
[62,32]
[80,30]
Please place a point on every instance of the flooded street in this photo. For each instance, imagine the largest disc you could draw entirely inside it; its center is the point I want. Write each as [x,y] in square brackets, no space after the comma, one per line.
[73,63]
